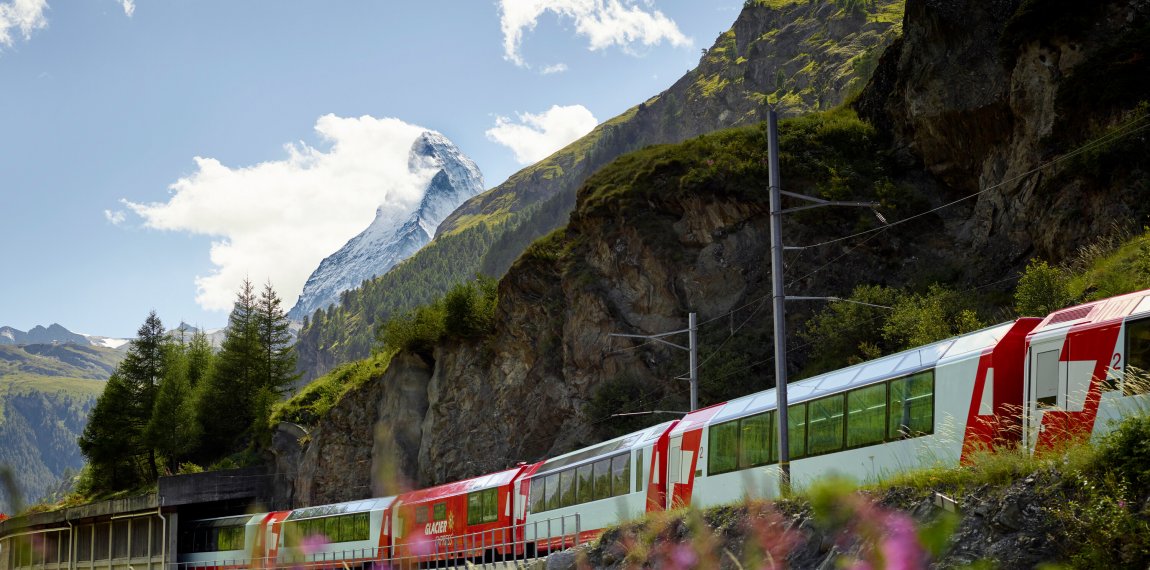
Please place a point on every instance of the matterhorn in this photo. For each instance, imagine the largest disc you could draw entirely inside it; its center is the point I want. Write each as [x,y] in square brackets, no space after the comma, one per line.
[395,234]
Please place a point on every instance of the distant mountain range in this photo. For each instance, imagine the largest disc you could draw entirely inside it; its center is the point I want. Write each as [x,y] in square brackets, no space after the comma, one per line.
[41,335]
[49,380]
[395,235]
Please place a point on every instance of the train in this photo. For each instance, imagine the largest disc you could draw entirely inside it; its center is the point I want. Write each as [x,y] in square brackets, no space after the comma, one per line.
[1032,382]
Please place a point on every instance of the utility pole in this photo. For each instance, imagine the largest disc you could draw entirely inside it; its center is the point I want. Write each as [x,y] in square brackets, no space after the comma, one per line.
[780,297]
[780,305]
[692,347]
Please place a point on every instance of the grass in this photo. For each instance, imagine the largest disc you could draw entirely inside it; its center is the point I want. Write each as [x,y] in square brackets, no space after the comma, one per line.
[1090,495]
[314,401]
[1111,266]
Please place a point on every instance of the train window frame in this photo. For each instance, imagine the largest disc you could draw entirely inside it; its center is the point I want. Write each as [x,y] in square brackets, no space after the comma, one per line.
[897,431]
[743,461]
[1129,367]
[567,496]
[884,417]
[421,514]
[826,401]
[795,424]
[439,511]
[602,479]
[584,483]
[621,474]
[483,506]
[551,491]
[720,459]
[537,497]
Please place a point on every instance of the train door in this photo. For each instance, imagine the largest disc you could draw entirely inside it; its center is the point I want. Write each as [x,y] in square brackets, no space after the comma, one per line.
[674,458]
[1046,386]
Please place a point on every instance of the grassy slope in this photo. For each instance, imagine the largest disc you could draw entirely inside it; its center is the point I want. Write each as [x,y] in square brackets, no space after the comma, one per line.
[480,236]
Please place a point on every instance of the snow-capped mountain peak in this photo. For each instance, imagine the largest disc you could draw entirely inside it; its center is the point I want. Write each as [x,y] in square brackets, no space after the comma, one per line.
[395,233]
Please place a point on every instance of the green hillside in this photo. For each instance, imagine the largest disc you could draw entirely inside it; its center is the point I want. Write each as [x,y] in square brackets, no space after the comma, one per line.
[800,56]
[46,392]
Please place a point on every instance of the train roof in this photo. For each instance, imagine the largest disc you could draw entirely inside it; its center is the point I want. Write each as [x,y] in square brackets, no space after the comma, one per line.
[1097,312]
[366,505]
[887,367]
[236,520]
[607,448]
[462,487]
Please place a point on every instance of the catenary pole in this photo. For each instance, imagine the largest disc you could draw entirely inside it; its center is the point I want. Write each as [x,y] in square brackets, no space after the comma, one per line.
[779,302]
[692,347]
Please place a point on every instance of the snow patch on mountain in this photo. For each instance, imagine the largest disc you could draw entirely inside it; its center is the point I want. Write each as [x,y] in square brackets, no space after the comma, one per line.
[396,233]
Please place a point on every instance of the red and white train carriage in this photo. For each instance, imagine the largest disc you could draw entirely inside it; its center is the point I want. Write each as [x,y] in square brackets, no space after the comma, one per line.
[1035,382]
[921,407]
[470,519]
[1086,368]
[592,488]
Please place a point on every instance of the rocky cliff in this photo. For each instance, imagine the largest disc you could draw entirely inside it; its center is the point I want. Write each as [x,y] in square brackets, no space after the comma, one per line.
[800,56]
[978,100]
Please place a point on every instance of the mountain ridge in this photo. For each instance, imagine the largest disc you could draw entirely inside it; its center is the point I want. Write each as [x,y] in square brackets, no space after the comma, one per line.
[395,235]
[822,52]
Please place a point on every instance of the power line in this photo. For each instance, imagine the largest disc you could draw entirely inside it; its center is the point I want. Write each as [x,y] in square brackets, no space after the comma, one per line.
[1091,145]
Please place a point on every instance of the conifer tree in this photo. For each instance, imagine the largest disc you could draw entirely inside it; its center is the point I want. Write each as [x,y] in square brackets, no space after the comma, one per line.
[279,360]
[227,401]
[174,430]
[111,441]
[201,359]
[142,370]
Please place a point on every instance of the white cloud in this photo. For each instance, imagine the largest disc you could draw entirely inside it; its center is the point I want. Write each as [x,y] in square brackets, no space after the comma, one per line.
[537,136]
[557,68]
[277,220]
[129,7]
[115,217]
[26,16]
[604,22]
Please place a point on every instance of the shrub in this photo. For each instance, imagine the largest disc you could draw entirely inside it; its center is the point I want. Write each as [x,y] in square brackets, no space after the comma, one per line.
[1042,290]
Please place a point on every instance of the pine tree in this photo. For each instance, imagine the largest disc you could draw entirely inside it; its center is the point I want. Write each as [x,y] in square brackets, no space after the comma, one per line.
[111,441]
[225,410]
[201,359]
[174,430]
[279,360]
[143,369]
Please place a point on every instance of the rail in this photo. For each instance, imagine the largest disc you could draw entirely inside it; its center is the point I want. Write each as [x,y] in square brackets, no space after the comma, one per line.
[502,547]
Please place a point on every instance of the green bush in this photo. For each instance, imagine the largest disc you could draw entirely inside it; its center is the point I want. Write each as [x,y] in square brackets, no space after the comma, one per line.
[1042,290]
[469,308]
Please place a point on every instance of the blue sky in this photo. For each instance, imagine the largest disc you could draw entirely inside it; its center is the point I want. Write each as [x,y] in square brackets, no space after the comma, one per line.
[155,152]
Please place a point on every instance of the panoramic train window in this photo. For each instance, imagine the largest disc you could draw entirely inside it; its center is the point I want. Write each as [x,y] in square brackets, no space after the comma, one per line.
[755,440]
[825,425]
[866,415]
[602,479]
[797,422]
[566,488]
[340,528]
[620,475]
[586,476]
[723,447]
[483,506]
[1137,380]
[912,406]
[552,491]
[440,511]
[538,501]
